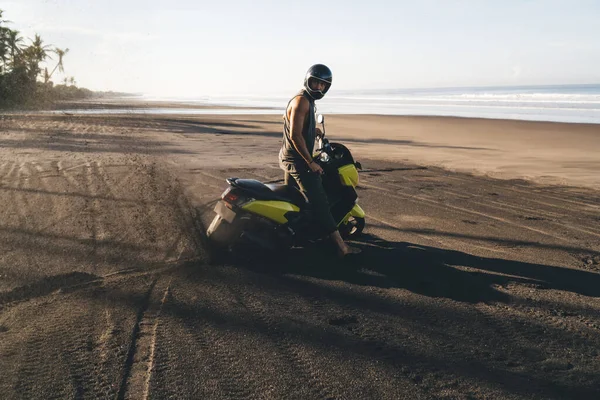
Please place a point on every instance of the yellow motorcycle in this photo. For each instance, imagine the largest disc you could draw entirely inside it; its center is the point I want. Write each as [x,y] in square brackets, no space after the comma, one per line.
[277,217]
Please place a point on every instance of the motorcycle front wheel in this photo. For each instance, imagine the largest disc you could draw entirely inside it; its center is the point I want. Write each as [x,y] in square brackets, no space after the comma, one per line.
[352,228]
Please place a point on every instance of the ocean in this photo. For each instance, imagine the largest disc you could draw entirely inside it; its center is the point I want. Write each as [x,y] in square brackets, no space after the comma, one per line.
[558,103]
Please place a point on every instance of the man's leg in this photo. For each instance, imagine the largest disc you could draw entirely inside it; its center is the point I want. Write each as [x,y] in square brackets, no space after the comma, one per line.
[289,180]
[312,186]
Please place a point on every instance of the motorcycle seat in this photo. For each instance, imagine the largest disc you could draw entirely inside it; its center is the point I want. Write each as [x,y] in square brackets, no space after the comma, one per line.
[290,193]
[260,191]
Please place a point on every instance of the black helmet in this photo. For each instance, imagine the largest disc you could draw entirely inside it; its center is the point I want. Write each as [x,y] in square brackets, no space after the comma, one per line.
[321,73]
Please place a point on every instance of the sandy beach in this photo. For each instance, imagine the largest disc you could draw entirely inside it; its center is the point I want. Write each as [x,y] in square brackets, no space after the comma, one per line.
[479,278]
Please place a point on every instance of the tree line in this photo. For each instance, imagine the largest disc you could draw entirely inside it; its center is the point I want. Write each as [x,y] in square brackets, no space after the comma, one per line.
[23,82]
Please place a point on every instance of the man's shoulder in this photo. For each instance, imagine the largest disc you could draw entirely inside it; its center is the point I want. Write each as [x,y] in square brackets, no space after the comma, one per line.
[300,102]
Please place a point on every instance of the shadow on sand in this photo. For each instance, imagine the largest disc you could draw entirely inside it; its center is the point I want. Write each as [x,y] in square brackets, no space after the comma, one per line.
[426,270]
[255,301]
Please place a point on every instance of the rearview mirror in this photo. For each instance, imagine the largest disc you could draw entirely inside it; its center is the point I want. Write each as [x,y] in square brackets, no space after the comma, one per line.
[320,118]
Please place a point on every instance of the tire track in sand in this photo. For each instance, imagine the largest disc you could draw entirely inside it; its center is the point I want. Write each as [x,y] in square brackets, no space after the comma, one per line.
[434,203]
[106,194]
[68,171]
[3,170]
[289,351]
[527,191]
[501,186]
[223,370]
[19,201]
[10,167]
[518,211]
[51,201]
[137,384]
[92,208]
[133,342]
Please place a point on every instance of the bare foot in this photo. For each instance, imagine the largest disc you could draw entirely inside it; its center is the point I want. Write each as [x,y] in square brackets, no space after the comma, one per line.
[349,250]
[343,248]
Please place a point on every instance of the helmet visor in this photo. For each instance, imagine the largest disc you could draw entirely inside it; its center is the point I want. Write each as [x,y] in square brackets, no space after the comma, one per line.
[318,85]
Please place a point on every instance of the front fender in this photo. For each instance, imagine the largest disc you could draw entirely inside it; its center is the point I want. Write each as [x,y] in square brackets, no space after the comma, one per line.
[356,212]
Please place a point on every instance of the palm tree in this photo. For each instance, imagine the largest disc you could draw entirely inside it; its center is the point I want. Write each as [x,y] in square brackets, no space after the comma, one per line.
[14,42]
[3,49]
[34,55]
[72,81]
[39,49]
[9,41]
[3,42]
[60,53]
[2,21]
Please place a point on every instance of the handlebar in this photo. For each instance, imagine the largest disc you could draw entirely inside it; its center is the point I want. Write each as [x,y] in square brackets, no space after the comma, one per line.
[325,148]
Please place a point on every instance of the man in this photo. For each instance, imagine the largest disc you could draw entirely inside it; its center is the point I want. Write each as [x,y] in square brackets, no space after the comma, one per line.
[295,156]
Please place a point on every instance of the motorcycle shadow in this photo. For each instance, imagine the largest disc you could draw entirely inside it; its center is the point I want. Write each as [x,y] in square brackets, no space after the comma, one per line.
[381,264]
[429,271]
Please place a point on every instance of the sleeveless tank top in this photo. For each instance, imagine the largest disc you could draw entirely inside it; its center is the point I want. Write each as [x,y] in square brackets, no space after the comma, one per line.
[288,155]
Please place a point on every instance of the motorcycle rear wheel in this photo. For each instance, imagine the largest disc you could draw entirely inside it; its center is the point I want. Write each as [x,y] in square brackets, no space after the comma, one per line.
[221,235]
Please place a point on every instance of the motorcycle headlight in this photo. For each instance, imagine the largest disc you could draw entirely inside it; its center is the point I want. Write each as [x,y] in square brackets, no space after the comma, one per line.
[324,157]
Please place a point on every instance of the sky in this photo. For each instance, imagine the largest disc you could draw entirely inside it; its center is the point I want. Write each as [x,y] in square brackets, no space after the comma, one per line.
[195,48]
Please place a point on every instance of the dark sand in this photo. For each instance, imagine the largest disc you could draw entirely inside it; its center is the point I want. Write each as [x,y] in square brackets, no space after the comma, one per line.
[469,286]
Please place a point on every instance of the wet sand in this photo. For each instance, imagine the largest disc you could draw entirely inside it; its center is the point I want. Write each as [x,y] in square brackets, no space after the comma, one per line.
[469,286]
[543,152]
